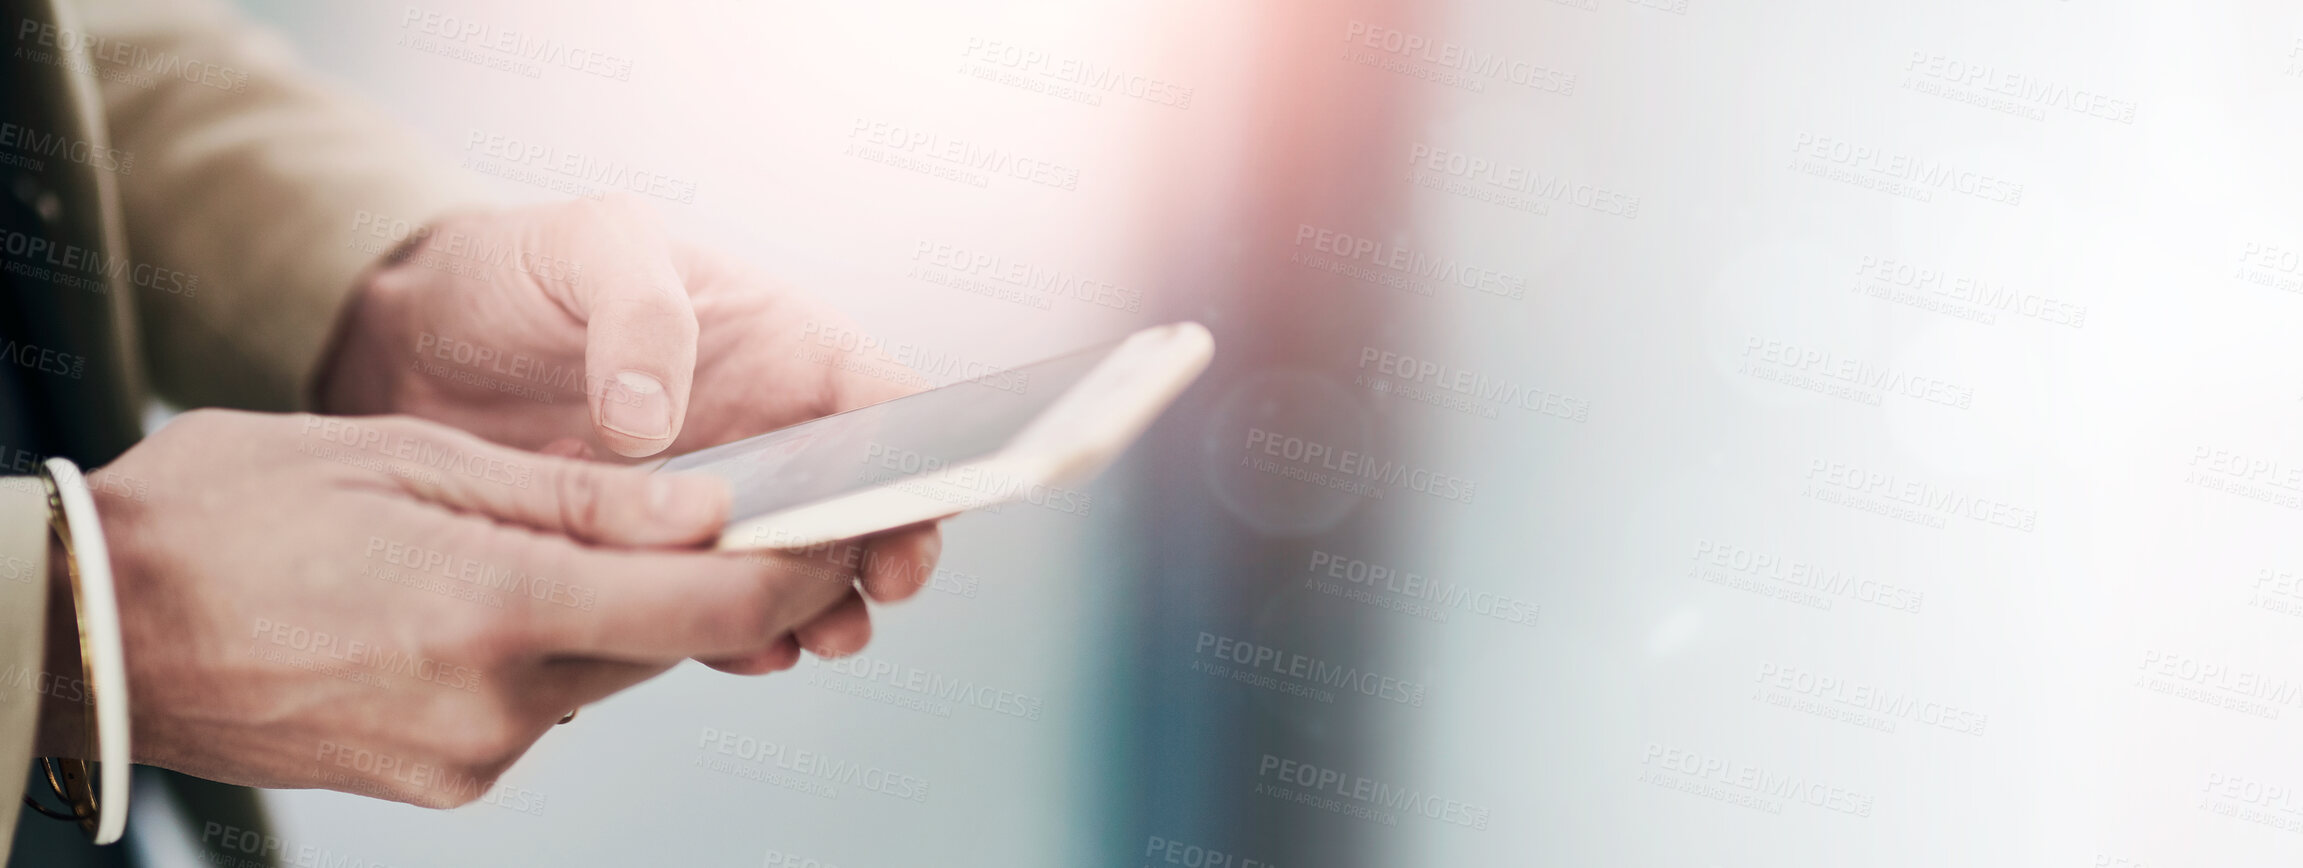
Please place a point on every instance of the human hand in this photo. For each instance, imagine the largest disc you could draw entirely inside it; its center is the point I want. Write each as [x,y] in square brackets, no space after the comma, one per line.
[579,329]
[389,607]
[581,321]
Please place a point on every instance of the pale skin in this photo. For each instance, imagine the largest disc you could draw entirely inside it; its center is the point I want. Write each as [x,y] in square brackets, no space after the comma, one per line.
[597,287]
[299,590]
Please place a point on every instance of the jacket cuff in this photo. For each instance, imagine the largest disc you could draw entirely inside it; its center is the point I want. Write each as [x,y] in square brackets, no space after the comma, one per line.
[23,628]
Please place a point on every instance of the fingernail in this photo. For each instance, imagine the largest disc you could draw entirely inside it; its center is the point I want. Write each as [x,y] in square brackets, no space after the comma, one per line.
[935,550]
[637,407]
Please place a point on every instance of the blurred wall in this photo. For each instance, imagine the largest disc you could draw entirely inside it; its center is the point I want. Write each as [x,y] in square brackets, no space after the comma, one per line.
[1825,434]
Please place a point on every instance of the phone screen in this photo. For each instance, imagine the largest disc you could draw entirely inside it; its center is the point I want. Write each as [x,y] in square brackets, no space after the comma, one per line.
[868,446]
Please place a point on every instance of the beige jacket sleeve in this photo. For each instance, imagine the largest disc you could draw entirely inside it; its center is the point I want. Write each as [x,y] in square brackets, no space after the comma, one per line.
[23,622]
[242,181]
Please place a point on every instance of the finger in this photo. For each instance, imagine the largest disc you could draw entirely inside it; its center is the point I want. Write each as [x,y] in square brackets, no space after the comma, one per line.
[568,447]
[595,503]
[863,373]
[782,654]
[785,654]
[866,378]
[640,327]
[898,563]
[840,631]
[661,606]
[569,683]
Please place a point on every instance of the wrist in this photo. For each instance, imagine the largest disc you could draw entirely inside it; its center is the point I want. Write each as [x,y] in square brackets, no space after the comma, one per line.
[355,376]
[66,701]
[60,683]
[349,382]
[84,639]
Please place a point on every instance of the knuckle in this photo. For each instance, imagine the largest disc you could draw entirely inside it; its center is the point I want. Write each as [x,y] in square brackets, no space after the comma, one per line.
[835,644]
[488,642]
[410,426]
[582,497]
[643,302]
[589,209]
[210,424]
[481,743]
[479,778]
[751,613]
[437,799]
[203,417]
[800,573]
[480,636]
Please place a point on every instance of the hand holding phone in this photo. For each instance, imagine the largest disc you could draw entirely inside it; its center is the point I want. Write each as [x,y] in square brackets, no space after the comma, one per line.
[972,444]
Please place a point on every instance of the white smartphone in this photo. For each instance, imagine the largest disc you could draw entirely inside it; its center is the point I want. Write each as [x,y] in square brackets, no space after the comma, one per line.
[972,444]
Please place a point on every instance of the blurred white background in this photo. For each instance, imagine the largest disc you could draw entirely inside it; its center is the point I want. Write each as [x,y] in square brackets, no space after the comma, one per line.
[1913,479]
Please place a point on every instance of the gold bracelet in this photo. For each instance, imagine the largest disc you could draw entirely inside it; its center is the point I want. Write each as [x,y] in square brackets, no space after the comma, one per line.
[72,517]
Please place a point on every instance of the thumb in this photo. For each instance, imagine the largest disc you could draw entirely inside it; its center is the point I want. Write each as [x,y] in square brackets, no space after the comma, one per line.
[640,328]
